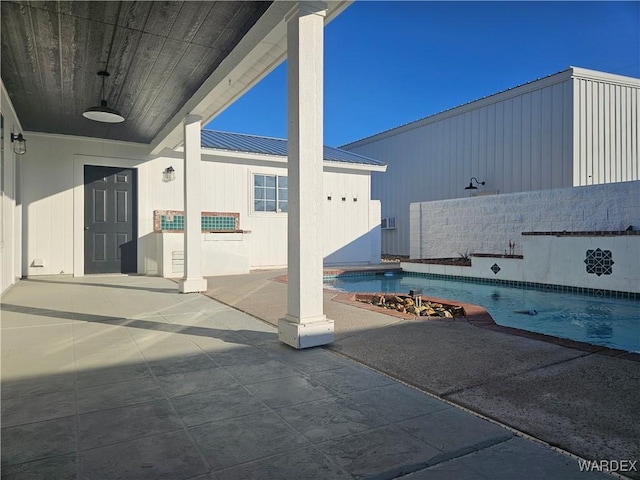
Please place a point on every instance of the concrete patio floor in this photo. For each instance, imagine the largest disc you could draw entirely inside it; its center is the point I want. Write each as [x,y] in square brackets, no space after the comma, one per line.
[122,377]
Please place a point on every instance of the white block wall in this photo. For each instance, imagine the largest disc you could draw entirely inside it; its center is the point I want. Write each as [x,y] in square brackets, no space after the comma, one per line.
[486,224]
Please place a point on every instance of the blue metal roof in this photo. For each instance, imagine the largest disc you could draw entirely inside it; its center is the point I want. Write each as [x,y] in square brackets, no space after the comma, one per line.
[240,142]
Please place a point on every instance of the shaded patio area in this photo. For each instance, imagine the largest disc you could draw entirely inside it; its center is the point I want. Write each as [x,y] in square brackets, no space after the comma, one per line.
[123,377]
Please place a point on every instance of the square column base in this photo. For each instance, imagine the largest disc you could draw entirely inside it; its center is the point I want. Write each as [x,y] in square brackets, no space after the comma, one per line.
[305,335]
[192,285]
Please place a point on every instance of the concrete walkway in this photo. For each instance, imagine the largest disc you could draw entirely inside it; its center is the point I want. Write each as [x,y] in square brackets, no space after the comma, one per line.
[585,402]
[122,377]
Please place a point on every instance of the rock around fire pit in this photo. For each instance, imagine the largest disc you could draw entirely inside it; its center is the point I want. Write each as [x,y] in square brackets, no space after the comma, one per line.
[412,305]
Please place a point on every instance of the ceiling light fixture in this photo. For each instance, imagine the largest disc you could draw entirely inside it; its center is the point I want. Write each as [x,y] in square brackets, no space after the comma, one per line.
[471,185]
[102,112]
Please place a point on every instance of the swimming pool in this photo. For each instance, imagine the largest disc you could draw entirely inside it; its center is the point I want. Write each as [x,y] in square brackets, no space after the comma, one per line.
[609,322]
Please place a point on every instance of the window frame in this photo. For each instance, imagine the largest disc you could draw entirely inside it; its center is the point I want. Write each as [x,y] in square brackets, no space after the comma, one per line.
[388,223]
[276,187]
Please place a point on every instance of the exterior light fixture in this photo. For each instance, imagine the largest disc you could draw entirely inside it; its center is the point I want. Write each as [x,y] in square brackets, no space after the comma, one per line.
[168,174]
[20,144]
[472,186]
[103,113]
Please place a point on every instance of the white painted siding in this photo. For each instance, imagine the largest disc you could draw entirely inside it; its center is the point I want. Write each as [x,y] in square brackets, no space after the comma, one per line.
[52,171]
[53,199]
[346,222]
[10,207]
[606,131]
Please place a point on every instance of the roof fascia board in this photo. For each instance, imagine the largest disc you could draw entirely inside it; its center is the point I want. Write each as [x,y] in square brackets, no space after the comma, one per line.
[221,156]
[5,102]
[354,166]
[583,73]
[226,155]
[213,154]
[237,158]
[101,141]
[258,53]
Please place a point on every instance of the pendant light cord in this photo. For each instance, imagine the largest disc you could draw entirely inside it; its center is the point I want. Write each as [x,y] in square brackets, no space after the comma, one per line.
[113,39]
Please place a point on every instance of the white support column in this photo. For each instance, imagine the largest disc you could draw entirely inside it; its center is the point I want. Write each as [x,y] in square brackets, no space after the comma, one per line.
[305,325]
[192,280]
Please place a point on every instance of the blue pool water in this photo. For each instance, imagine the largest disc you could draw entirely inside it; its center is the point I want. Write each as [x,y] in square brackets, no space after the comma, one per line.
[608,322]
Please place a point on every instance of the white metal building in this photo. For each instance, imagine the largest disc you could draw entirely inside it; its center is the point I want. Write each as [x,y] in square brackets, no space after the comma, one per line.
[577,127]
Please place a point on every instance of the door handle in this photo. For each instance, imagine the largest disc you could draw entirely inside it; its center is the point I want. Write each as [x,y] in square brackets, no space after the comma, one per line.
[86,228]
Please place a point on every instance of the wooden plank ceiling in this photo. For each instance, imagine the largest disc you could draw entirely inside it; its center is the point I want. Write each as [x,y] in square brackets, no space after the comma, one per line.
[158,55]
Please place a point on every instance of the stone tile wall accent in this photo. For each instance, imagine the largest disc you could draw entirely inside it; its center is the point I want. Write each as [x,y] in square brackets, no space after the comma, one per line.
[172,221]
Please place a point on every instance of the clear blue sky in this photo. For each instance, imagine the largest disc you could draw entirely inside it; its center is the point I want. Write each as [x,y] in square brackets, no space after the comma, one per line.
[389,63]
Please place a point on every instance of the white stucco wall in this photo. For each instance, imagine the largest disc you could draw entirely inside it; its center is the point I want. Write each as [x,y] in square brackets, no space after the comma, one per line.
[557,260]
[222,254]
[561,261]
[448,228]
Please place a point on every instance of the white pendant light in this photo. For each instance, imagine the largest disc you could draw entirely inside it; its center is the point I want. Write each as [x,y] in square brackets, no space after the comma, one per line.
[103,113]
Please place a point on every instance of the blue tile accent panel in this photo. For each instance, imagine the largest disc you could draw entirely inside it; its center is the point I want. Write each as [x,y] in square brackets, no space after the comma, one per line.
[172,222]
[218,223]
[176,222]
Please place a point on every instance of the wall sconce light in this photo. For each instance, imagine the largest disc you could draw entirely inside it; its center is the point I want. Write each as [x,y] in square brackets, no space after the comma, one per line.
[20,144]
[168,174]
[472,186]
